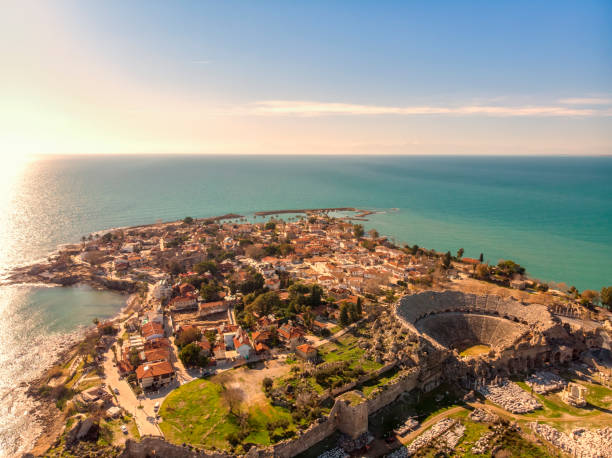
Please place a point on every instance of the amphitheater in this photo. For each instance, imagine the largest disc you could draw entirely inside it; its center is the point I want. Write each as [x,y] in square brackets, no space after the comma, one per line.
[518,336]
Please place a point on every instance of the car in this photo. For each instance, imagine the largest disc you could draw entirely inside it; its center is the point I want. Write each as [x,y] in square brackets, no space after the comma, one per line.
[124,429]
[156,406]
[116,390]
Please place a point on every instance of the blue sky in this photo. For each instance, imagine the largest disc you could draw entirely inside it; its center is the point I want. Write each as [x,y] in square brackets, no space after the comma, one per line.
[323,77]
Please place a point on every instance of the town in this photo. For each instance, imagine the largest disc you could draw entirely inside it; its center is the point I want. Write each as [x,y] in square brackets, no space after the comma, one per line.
[239,335]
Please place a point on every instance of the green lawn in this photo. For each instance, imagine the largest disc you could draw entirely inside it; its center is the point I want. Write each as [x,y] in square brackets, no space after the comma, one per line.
[345,349]
[553,405]
[197,414]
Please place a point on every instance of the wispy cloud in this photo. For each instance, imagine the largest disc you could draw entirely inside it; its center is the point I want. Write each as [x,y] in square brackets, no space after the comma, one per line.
[587,101]
[315,108]
[203,62]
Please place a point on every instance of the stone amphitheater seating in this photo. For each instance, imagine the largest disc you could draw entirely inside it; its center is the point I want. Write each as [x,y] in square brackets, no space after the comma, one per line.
[462,330]
[459,320]
[412,308]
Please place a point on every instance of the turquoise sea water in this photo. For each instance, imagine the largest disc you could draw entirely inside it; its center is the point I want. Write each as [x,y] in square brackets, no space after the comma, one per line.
[553,215]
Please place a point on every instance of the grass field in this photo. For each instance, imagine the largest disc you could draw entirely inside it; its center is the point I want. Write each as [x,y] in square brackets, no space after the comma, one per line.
[554,406]
[345,348]
[197,414]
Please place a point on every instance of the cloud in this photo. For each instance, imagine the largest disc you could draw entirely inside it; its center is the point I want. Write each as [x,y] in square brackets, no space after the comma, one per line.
[315,108]
[203,62]
[587,101]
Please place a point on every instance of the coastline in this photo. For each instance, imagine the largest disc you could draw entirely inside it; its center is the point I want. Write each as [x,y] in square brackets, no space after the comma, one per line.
[52,421]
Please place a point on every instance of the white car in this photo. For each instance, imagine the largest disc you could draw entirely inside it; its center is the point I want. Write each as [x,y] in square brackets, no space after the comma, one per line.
[124,429]
[156,406]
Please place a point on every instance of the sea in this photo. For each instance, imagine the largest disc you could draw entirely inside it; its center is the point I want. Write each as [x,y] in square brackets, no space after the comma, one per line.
[553,215]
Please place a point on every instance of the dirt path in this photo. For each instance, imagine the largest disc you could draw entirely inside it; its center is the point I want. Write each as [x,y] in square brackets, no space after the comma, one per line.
[564,418]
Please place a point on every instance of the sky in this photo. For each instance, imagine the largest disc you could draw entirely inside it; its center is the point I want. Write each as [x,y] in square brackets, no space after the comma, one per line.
[312,77]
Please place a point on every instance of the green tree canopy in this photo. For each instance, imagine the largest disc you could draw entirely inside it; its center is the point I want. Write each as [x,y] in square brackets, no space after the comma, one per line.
[187,336]
[192,355]
[605,296]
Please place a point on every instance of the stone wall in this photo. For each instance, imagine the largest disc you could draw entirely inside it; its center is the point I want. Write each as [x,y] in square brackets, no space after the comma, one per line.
[388,393]
[351,419]
[156,446]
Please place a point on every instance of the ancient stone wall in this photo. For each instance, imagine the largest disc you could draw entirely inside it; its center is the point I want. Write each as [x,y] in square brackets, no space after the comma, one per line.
[156,446]
[388,393]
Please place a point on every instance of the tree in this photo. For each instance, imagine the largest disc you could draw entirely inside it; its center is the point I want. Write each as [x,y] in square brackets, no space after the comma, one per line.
[252,283]
[359,306]
[233,397]
[211,335]
[107,238]
[460,253]
[373,233]
[482,271]
[605,297]
[267,383]
[210,292]
[358,231]
[187,336]
[134,358]
[446,261]
[270,226]
[188,220]
[191,355]
[344,317]
[510,267]
[206,266]
[590,296]
[481,257]
[265,303]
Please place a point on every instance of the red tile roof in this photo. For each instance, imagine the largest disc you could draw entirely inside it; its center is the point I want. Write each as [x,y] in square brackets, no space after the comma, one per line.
[154,370]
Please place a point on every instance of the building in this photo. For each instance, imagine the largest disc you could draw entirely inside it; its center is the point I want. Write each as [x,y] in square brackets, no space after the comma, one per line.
[242,345]
[152,331]
[155,375]
[210,308]
[182,303]
[306,352]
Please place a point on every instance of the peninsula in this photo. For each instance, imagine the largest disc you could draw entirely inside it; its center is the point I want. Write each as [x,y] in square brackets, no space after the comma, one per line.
[309,335]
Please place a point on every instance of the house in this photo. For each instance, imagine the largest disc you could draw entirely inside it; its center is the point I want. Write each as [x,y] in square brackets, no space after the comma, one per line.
[306,352]
[152,317]
[156,343]
[243,346]
[290,335]
[182,303]
[273,284]
[152,330]
[219,351]
[136,343]
[161,290]
[155,375]
[157,354]
[205,346]
[186,288]
[209,308]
